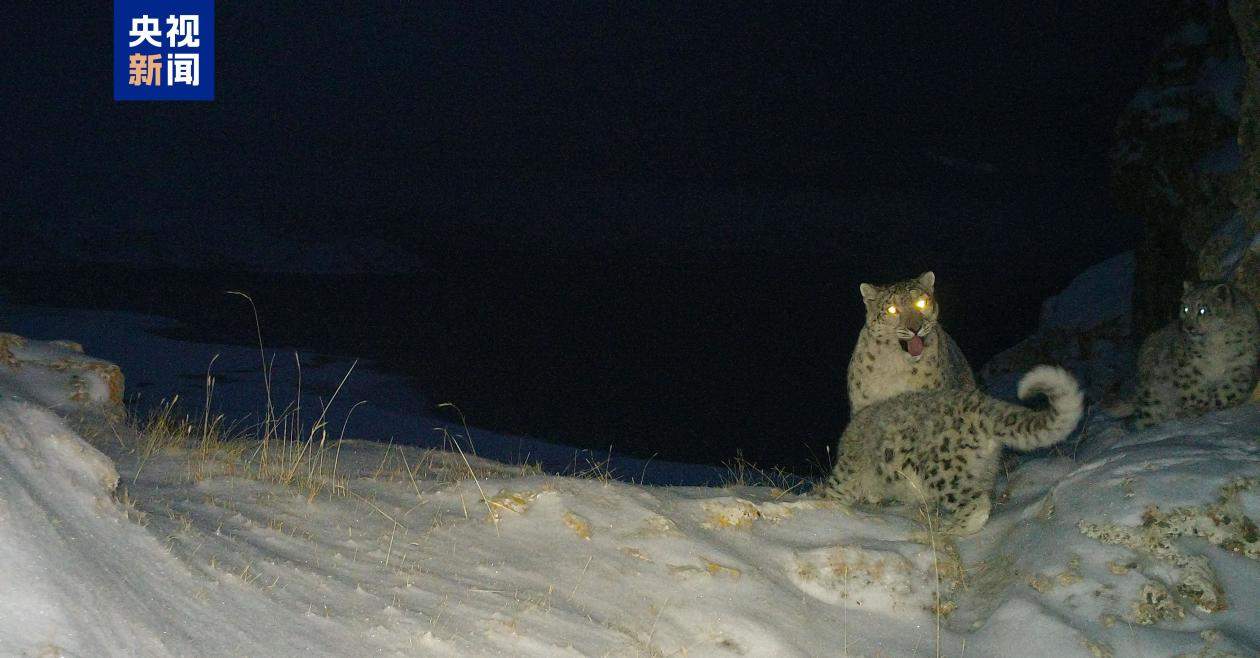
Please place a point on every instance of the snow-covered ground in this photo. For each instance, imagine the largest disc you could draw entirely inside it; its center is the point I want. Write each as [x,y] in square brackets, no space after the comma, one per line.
[1124,544]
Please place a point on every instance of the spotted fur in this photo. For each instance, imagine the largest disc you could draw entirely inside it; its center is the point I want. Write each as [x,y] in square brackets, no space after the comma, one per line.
[1204,360]
[882,365]
[942,447]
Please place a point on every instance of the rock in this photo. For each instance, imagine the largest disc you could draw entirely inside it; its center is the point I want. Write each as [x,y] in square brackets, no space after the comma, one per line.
[1085,329]
[69,345]
[72,376]
[9,342]
[1246,188]
[1178,153]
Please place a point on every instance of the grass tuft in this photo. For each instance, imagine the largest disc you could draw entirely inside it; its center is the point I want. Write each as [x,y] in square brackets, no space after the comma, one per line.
[281,448]
[742,472]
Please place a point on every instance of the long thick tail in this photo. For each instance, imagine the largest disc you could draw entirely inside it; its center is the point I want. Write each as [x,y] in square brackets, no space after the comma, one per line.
[1028,429]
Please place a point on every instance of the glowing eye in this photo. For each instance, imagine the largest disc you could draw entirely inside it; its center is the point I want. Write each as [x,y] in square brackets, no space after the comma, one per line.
[921,304]
[892,310]
[1185,309]
[1203,311]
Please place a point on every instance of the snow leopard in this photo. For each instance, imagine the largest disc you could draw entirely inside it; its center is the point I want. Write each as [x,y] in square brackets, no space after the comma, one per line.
[941,448]
[902,347]
[1204,360]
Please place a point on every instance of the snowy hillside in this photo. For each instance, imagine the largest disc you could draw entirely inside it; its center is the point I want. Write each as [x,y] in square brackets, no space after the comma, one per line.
[121,543]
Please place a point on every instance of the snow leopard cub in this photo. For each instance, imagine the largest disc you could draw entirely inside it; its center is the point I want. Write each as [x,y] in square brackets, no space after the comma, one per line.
[942,447]
[902,347]
[1204,360]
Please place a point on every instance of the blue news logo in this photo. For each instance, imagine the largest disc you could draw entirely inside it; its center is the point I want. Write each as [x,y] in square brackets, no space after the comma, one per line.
[163,50]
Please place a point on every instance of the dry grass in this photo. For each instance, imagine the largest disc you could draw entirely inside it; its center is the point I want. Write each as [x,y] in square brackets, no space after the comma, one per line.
[932,523]
[448,437]
[281,448]
[208,442]
[744,473]
[290,453]
[134,513]
[599,470]
[946,563]
[209,439]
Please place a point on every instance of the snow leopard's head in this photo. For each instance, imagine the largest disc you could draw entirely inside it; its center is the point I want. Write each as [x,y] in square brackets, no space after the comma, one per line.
[905,310]
[1208,307]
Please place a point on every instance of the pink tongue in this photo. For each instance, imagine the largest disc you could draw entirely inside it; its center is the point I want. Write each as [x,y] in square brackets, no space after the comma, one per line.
[915,346]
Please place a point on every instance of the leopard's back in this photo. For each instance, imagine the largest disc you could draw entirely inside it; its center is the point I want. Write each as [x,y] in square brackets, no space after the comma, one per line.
[942,448]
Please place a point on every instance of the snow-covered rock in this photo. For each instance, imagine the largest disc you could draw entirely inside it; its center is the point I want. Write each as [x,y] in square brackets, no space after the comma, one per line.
[57,374]
[1100,295]
[1085,329]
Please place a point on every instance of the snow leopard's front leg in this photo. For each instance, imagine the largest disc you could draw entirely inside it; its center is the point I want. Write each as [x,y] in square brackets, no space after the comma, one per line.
[1152,408]
[845,484]
[1235,390]
[844,490]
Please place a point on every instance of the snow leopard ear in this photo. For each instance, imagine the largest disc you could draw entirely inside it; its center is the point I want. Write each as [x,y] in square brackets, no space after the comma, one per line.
[1186,286]
[927,280]
[868,291]
[1224,293]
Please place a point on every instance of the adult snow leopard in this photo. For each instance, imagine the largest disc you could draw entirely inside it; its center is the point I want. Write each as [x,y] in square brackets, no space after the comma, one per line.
[1204,360]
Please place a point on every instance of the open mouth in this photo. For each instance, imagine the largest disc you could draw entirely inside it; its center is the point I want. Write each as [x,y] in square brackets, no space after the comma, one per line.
[914,346]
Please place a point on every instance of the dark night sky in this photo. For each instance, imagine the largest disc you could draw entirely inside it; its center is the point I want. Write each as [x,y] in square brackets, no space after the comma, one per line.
[417,112]
[546,130]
